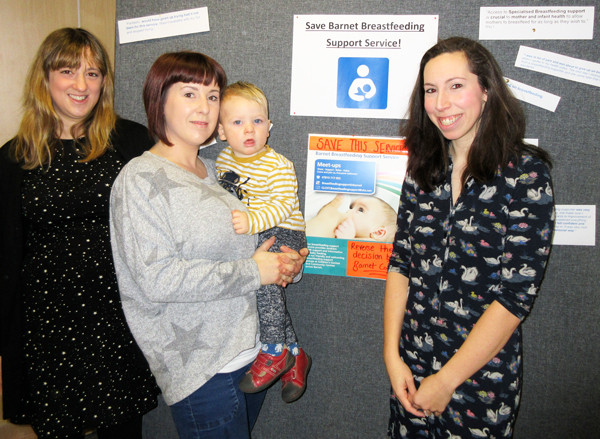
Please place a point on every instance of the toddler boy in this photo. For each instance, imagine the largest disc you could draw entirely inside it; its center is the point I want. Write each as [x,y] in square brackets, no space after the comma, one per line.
[266,182]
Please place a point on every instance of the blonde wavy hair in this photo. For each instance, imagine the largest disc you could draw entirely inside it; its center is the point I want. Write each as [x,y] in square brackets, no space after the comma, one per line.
[35,143]
[247,91]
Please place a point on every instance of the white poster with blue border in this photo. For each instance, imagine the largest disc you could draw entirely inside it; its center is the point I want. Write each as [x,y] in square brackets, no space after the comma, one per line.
[357,65]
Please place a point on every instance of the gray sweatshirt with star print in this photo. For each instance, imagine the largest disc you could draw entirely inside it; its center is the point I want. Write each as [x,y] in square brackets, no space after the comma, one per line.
[187,280]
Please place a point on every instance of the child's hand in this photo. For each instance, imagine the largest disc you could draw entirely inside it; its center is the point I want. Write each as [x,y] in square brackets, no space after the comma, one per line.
[345,229]
[240,221]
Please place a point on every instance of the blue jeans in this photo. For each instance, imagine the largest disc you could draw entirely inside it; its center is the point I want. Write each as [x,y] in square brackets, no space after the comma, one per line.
[218,409]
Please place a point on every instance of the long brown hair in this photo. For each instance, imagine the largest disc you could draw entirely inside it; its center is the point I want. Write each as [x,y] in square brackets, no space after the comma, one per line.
[35,142]
[501,127]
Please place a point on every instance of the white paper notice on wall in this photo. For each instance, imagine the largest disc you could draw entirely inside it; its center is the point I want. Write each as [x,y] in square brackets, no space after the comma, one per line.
[536,23]
[189,21]
[561,66]
[357,65]
[532,95]
[532,141]
[575,225]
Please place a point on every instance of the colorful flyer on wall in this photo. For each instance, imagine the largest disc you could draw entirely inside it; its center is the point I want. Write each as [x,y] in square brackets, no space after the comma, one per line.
[353,189]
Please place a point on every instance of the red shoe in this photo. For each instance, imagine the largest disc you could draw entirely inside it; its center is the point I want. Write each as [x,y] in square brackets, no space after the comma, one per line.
[265,370]
[294,381]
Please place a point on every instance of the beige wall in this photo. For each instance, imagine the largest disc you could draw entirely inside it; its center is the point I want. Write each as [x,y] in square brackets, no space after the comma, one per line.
[23,26]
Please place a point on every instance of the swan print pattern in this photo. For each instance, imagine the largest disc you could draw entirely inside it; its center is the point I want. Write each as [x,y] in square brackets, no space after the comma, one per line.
[493,244]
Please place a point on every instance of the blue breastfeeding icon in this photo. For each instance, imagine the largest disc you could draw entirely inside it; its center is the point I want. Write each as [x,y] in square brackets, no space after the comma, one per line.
[362,83]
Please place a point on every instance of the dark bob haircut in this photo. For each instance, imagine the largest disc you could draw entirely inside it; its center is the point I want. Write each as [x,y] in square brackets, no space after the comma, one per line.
[168,69]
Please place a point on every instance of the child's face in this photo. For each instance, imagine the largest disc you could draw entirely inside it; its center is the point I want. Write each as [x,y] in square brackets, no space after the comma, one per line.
[244,125]
[366,213]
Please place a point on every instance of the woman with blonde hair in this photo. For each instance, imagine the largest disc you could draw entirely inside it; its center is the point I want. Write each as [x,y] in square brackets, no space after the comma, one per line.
[69,361]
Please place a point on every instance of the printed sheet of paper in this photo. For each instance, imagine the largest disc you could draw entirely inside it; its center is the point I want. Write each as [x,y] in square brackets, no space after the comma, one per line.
[536,23]
[532,141]
[561,66]
[532,95]
[575,225]
[357,65]
[353,187]
[151,27]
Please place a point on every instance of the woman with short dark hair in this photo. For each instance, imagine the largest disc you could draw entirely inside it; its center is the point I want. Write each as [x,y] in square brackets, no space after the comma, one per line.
[187,280]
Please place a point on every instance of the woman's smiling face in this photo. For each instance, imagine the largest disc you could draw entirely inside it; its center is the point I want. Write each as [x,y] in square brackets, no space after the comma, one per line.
[191,113]
[454,100]
[75,92]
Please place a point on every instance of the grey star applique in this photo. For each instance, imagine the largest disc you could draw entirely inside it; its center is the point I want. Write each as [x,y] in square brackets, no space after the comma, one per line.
[161,364]
[117,200]
[186,341]
[125,298]
[152,257]
[160,183]
[179,247]
[250,312]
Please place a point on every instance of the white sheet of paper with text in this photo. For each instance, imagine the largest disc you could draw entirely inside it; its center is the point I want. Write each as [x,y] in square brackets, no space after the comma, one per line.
[562,66]
[536,23]
[357,65]
[171,24]
[532,95]
[575,225]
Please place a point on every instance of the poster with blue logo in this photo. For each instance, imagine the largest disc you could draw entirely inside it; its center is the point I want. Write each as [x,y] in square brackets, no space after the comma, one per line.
[357,65]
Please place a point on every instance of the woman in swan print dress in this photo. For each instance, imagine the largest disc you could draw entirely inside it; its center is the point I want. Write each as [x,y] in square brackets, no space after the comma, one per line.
[474,229]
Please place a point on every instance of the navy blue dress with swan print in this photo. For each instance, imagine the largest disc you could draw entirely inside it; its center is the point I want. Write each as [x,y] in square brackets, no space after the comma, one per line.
[492,244]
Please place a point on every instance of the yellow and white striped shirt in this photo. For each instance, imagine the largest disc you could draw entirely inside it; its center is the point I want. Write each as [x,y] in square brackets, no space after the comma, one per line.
[266,183]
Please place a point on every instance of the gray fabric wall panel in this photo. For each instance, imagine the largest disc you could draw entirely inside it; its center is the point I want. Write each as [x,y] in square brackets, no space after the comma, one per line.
[339,320]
